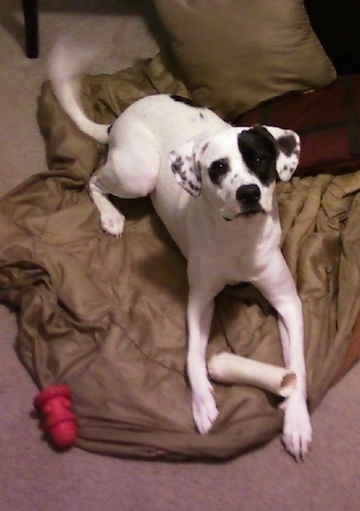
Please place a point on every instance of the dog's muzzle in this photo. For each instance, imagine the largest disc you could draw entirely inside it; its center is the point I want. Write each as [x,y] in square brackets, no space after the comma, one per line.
[248,197]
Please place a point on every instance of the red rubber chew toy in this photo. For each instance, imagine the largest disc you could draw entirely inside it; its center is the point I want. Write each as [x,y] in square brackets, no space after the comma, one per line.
[59,422]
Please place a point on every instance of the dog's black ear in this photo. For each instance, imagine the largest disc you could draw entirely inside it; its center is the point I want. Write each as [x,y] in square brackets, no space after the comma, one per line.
[185,166]
[287,144]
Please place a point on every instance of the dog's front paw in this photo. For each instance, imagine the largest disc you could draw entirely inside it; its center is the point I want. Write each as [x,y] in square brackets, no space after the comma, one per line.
[112,222]
[297,431]
[204,409]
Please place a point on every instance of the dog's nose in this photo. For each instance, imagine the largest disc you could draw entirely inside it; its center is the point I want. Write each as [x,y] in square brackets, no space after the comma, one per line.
[248,194]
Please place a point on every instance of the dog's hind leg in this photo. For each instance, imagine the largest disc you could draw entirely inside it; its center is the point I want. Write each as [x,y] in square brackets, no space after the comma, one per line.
[124,175]
[112,220]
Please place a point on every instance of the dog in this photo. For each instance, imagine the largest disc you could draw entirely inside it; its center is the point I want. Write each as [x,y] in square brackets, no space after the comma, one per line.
[212,185]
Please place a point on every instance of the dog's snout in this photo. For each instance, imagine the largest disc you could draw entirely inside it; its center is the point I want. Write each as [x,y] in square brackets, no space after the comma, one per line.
[248,194]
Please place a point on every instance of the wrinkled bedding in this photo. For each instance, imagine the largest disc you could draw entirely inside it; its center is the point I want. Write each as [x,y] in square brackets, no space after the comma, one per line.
[107,316]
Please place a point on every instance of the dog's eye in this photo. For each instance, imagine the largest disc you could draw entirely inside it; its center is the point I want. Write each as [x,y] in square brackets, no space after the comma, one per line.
[260,158]
[217,170]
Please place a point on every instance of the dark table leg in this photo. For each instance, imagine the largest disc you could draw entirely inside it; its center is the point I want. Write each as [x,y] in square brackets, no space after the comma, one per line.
[31,18]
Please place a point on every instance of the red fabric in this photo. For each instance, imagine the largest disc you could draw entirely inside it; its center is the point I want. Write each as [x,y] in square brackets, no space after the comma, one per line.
[327,120]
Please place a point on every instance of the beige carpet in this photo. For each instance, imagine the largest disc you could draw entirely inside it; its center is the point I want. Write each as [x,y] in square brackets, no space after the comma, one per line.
[32,476]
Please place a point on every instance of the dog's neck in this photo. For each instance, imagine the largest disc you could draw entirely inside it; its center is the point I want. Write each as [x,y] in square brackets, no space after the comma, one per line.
[251,232]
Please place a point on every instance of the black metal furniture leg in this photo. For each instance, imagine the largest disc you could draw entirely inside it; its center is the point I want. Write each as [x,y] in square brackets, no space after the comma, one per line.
[31,18]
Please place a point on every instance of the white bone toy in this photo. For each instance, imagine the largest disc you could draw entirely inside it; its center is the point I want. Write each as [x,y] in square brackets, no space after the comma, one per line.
[230,368]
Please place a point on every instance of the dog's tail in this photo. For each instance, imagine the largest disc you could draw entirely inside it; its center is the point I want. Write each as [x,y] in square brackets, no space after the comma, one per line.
[63,68]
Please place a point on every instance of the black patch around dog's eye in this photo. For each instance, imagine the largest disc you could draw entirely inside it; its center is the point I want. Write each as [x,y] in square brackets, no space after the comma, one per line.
[109,129]
[186,101]
[217,170]
[259,153]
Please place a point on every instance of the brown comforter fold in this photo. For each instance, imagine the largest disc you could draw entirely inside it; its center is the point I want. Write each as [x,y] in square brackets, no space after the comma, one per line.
[107,316]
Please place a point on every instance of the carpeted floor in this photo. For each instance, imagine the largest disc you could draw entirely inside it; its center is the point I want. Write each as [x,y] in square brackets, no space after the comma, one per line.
[32,475]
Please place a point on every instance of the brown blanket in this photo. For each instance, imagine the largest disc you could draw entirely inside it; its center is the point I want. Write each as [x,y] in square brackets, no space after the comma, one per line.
[107,316]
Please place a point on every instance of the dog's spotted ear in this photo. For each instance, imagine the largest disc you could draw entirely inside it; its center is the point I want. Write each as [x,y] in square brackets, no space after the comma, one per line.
[185,165]
[287,144]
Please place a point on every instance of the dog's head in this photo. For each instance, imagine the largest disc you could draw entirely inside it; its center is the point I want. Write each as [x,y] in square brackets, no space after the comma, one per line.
[237,169]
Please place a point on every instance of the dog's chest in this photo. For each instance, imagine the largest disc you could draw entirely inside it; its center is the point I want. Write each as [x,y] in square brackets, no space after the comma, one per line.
[237,251]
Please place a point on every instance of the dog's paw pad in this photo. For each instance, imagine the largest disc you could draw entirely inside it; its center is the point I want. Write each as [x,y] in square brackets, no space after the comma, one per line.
[113,223]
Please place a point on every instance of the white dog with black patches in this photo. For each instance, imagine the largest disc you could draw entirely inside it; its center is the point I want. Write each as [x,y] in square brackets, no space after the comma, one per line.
[213,187]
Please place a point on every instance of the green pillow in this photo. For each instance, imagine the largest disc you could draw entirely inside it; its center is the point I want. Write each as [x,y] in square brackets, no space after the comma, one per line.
[234,54]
